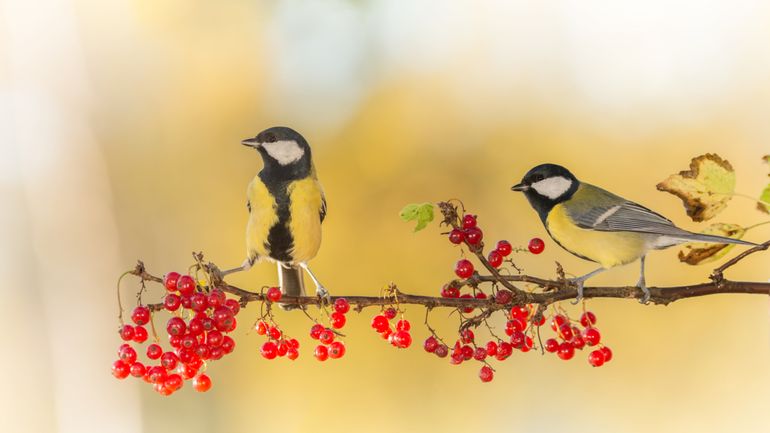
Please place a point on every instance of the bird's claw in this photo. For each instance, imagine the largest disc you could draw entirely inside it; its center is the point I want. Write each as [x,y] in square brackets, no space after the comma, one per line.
[578,282]
[322,293]
[646,297]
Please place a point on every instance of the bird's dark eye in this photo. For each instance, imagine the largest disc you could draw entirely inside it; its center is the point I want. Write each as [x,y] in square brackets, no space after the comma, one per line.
[536,178]
[269,138]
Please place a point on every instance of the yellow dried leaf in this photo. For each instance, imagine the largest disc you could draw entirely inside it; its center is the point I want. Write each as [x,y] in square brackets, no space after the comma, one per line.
[698,253]
[764,196]
[705,189]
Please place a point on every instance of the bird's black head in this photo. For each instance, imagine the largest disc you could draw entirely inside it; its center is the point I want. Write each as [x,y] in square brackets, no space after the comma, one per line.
[546,186]
[284,151]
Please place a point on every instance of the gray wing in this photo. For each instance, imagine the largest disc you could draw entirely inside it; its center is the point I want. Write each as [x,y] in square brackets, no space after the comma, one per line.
[611,213]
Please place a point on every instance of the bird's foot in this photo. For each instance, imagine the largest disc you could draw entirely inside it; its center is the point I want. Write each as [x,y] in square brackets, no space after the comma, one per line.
[578,283]
[323,294]
[646,297]
[247,264]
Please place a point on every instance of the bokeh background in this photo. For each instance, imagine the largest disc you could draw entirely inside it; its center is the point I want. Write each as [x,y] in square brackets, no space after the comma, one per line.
[120,124]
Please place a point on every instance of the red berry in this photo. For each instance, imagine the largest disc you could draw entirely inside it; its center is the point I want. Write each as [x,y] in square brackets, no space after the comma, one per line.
[120,369]
[441,351]
[456,236]
[592,336]
[467,352]
[199,301]
[274,294]
[464,268]
[261,327]
[202,383]
[551,345]
[430,344]
[491,348]
[336,350]
[293,343]
[473,236]
[402,339]
[565,332]
[389,313]
[566,351]
[203,351]
[403,325]
[156,374]
[216,298]
[127,354]
[486,374]
[327,336]
[269,350]
[173,381]
[138,369]
[557,321]
[466,336]
[233,305]
[520,312]
[517,339]
[495,258]
[172,302]
[380,323]
[338,320]
[469,221]
[578,342]
[170,281]
[516,325]
[528,343]
[607,353]
[126,332]
[480,354]
[316,330]
[140,334]
[450,292]
[587,319]
[216,353]
[283,347]
[185,285]
[274,333]
[341,305]
[228,344]
[176,326]
[169,360]
[154,351]
[141,315]
[504,248]
[538,322]
[214,338]
[195,326]
[321,353]
[503,297]
[536,246]
[596,358]
[292,354]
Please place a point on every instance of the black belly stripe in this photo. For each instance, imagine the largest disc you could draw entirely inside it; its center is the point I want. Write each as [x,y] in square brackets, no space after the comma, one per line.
[279,241]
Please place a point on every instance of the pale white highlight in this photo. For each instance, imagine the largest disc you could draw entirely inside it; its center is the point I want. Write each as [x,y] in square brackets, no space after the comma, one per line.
[606,215]
[552,187]
[284,151]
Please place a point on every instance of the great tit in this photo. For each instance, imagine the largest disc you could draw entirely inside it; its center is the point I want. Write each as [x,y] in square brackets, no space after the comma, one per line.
[286,208]
[600,226]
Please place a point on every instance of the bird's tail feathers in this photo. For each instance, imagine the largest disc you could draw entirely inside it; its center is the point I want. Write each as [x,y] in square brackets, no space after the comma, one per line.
[699,237]
[290,280]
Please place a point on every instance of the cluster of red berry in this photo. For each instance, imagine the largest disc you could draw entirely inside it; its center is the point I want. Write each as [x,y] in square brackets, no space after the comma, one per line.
[194,342]
[278,344]
[330,347]
[397,335]
[571,338]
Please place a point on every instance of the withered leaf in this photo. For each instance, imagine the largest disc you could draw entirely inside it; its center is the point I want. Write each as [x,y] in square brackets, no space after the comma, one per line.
[705,189]
[698,253]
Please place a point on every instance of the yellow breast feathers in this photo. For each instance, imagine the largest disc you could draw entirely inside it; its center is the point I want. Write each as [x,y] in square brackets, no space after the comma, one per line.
[262,216]
[606,248]
[305,198]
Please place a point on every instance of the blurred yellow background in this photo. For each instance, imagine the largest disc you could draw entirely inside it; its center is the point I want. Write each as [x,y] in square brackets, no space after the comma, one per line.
[120,125]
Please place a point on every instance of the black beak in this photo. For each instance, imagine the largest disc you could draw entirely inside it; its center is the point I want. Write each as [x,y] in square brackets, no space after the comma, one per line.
[520,187]
[251,142]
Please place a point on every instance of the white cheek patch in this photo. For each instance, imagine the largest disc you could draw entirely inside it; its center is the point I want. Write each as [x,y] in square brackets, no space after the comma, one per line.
[285,151]
[553,187]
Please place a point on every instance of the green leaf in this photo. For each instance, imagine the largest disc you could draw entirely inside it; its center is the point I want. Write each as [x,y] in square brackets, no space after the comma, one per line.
[764,198]
[420,212]
[705,189]
[698,253]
